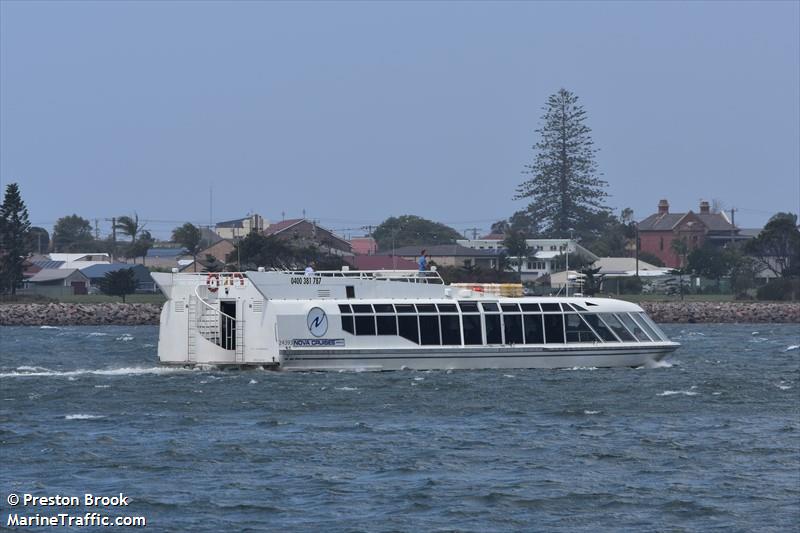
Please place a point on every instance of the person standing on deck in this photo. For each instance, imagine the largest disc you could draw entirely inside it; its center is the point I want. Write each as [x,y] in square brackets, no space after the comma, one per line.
[422,261]
[310,269]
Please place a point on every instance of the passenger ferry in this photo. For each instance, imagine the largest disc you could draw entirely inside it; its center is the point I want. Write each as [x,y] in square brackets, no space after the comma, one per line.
[391,320]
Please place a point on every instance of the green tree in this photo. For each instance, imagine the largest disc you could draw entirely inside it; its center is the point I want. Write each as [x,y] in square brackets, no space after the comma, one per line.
[129,226]
[777,247]
[565,186]
[40,240]
[653,259]
[15,244]
[188,236]
[409,230]
[213,264]
[591,280]
[257,250]
[119,283]
[72,234]
[517,246]
[709,262]
[140,247]
[681,249]
[743,272]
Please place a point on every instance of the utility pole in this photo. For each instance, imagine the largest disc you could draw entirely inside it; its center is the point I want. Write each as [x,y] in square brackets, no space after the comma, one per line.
[96,230]
[636,225]
[733,222]
[474,232]
[113,238]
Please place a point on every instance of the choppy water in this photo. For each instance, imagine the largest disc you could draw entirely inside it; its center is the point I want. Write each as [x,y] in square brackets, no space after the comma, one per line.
[710,442]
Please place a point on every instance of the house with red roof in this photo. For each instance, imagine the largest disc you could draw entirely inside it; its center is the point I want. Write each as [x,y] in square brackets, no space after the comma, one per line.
[657,231]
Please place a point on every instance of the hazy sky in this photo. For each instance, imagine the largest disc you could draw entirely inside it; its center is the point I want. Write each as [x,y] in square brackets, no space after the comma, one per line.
[358,111]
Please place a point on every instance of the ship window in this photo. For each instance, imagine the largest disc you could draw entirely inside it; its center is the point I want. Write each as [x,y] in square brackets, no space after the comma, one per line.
[429,329]
[512,325]
[472,329]
[577,330]
[618,328]
[387,324]
[347,324]
[553,328]
[531,307]
[578,307]
[345,308]
[405,308]
[490,306]
[408,327]
[468,307]
[600,328]
[648,321]
[567,307]
[645,326]
[365,325]
[550,307]
[633,327]
[510,308]
[451,330]
[426,308]
[494,334]
[362,308]
[350,290]
[447,308]
[534,333]
[384,308]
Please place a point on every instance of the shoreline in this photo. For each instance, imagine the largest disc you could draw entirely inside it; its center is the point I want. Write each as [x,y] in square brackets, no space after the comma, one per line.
[135,314]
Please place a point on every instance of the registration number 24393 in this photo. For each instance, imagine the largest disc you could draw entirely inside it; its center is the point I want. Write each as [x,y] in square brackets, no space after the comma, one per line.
[306,280]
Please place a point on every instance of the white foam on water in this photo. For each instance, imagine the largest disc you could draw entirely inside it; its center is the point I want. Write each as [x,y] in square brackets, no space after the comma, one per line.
[102,386]
[49,327]
[659,364]
[125,338]
[716,393]
[346,388]
[792,347]
[82,417]
[509,376]
[72,378]
[419,379]
[674,392]
[253,382]
[24,371]
[98,334]
[755,333]
[784,387]
[591,412]
[582,368]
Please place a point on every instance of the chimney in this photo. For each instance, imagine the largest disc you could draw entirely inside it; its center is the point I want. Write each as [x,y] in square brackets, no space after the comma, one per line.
[663,207]
[704,208]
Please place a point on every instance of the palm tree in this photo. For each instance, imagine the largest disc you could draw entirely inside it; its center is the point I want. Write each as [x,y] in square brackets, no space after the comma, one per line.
[129,226]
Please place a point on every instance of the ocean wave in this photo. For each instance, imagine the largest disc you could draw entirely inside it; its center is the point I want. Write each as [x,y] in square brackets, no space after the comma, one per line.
[346,388]
[27,371]
[674,392]
[792,347]
[49,327]
[587,412]
[80,416]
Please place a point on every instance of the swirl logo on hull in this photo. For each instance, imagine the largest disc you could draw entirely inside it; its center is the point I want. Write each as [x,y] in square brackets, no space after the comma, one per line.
[317,322]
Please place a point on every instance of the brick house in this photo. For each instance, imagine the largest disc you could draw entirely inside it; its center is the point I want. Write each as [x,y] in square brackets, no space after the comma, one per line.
[657,231]
[303,232]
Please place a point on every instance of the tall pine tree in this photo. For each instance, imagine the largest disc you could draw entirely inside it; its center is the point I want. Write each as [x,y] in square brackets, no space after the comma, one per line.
[15,243]
[565,188]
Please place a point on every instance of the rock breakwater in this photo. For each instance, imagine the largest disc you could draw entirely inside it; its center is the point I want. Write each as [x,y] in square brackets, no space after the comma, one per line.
[722,312]
[79,314]
[148,314]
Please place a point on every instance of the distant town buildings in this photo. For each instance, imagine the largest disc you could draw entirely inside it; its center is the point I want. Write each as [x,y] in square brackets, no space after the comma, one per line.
[240,227]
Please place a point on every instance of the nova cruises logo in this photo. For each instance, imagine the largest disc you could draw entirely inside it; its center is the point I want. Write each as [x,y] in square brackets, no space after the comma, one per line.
[317,322]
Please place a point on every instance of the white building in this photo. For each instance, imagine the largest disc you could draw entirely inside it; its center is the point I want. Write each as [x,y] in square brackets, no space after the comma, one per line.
[541,260]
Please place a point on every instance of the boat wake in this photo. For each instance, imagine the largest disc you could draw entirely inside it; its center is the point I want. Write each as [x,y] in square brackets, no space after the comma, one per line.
[35,371]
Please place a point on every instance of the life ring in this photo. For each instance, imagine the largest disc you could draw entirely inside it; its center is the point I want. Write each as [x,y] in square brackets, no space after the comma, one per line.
[237,276]
[477,288]
[212,282]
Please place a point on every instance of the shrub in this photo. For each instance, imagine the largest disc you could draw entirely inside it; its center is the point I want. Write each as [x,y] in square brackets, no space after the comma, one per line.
[779,289]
